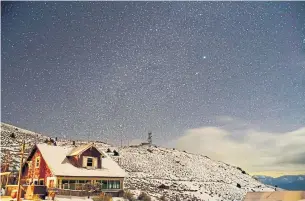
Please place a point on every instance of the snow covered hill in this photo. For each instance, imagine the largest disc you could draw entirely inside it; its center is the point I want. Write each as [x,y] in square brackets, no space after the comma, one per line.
[11,140]
[187,176]
[161,171]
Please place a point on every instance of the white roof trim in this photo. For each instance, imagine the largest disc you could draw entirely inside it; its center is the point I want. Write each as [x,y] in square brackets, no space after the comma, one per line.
[80,149]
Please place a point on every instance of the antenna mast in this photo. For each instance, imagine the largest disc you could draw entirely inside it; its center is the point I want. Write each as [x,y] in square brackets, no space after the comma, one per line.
[149,139]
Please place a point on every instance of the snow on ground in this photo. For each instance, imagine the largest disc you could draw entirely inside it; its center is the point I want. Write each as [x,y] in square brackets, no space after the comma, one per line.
[187,176]
[72,198]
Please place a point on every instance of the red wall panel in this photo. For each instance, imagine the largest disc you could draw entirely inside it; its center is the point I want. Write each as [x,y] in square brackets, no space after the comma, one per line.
[33,172]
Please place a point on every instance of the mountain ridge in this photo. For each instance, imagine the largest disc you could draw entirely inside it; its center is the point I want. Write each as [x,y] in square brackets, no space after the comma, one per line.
[288,182]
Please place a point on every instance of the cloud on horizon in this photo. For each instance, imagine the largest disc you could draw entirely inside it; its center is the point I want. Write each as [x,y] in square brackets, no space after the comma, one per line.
[241,144]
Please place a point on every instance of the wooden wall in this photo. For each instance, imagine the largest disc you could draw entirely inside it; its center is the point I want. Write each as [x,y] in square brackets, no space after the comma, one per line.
[33,172]
[78,160]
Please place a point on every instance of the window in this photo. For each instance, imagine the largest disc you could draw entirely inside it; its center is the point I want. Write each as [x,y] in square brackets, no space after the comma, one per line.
[72,184]
[117,185]
[89,162]
[51,183]
[29,168]
[114,184]
[104,184]
[110,184]
[41,182]
[65,184]
[35,181]
[37,162]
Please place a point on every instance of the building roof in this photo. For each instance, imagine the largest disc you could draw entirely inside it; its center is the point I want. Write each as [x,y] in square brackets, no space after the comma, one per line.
[55,157]
[275,196]
[80,149]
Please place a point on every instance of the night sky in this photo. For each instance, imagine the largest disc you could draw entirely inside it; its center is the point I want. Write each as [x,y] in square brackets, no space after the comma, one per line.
[112,69]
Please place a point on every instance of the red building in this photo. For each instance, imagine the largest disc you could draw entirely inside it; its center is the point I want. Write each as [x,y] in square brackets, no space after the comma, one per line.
[71,168]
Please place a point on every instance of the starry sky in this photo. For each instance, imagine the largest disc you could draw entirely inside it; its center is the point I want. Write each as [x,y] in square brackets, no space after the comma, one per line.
[117,70]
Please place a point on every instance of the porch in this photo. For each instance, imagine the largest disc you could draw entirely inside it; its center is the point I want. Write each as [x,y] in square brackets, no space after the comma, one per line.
[38,189]
[102,185]
[84,193]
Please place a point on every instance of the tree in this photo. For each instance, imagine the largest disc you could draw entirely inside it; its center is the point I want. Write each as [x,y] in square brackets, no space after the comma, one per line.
[143,196]
[128,195]
[115,153]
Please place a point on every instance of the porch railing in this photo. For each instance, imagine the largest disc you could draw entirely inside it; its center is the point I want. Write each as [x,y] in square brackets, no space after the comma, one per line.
[82,186]
[70,192]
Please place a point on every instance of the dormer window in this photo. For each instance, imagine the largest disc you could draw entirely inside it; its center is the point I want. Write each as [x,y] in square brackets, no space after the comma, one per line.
[86,156]
[89,162]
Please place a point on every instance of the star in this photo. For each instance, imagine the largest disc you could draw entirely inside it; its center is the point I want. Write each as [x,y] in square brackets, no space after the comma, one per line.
[123,68]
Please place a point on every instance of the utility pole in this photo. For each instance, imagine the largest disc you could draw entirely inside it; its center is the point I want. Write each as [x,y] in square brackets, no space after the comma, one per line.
[20,172]
[121,129]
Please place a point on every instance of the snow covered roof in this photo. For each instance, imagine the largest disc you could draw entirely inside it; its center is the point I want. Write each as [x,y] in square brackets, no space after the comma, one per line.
[55,157]
[80,149]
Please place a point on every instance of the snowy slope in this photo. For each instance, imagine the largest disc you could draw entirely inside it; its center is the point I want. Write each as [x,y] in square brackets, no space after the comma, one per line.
[187,176]
[12,146]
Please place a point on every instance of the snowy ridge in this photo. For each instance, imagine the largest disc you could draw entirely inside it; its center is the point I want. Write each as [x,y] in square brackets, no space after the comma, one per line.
[188,176]
[160,171]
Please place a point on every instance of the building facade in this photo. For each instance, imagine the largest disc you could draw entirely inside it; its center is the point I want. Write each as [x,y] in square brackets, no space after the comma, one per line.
[72,168]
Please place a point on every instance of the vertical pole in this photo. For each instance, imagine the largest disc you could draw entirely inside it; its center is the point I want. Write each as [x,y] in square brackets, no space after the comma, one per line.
[20,172]
[7,177]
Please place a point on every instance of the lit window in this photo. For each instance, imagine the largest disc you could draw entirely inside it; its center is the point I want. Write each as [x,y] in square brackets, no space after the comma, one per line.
[114,184]
[89,162]
[117,184]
